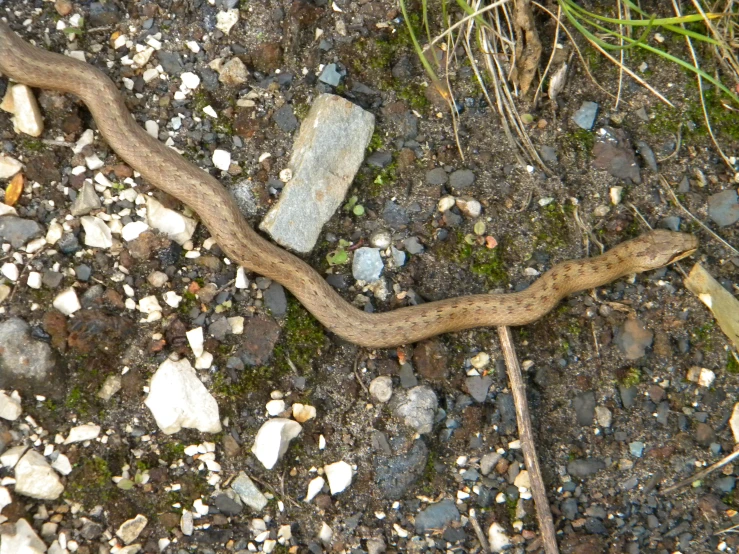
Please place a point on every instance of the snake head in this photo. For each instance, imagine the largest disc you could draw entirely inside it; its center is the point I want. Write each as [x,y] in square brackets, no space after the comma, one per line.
[660,248]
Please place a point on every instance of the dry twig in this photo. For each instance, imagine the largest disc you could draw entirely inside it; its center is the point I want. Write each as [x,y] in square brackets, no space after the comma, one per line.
[518,389]
[702,473]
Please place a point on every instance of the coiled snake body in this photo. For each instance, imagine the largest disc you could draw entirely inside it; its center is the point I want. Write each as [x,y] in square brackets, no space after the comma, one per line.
[164,168]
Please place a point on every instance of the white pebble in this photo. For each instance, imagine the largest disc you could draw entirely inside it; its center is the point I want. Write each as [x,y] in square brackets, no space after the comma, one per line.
[34,280]
[314,487]
[275,407]
[67,301]
[446,203]
[132,230]
[10,271]
[195,338]
[9,166]
[303,412]
[339,476]
[171,298]
[381,388]
[190,80]
[222,159]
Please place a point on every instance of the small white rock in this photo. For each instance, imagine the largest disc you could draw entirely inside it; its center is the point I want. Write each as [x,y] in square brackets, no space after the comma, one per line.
[242,282]
[26,113]
[303,412]
[97,233]
[132,230]
[67,301]
[222,159]
[381,388]
[190,80]
[186,523]
[275,407]
[314,487]
[10,406]
[734,422]
[9,166]
[226,20]
[497,538]
[34,280]
[480,360]
[469,207]
[83,433]
[131,529]
[171,298]
[326,535]
[273,438]
[149,305]
[169,222]
[34,477]
[177,398]
[237,324]
[157,279]
[54,233]
[704,377]
[152,127]
[339,476]
[616,193]
[446,203]
[10,271]
[195,338]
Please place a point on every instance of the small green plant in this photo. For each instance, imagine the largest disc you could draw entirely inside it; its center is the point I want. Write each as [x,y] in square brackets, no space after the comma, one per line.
[352,206]
[340,255]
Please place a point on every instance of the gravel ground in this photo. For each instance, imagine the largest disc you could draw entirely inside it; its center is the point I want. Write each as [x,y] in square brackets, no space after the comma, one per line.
[426,433]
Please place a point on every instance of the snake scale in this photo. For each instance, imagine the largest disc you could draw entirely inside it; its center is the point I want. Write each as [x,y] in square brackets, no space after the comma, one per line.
[164,168]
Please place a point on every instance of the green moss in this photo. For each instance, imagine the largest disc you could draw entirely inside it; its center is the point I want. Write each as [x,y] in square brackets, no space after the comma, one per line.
[303,340]
[77,402]
[486,262]
[632,377]
[91,483]
[34,145]
[551,228]
[301,110]
[703,333]
[172,451]
[376,142]
[579,142]
[732,366]
[413,95]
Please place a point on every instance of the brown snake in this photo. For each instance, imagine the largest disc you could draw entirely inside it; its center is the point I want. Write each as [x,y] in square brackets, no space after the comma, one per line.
[171,173]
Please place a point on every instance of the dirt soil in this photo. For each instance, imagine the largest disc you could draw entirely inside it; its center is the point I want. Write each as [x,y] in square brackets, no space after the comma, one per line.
[603,481]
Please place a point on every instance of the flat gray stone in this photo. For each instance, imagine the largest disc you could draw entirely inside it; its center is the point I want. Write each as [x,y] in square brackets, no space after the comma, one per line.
[461,179]
[248,492]
[285,118]
[327,154]
[275,300]
[723,207]
[478,387]
[86,201]
[330,75]
[436,516]
[436,176]
[585,116]
[586,467]
[26,364]
[18,231]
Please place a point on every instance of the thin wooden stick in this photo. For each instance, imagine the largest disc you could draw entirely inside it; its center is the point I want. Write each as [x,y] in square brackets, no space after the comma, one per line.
[702,473]
[526,433]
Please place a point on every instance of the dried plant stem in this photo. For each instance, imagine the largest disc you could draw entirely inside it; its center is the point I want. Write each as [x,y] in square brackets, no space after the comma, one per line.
[518,389]
[702,473]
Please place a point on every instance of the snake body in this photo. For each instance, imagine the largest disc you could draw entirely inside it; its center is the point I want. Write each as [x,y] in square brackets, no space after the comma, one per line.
[164,168]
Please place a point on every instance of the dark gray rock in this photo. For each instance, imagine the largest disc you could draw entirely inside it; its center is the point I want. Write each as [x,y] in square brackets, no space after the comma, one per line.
[171,62]
[628,395]
[436,516]
[647,154]
[436,176]
[584,405]
[569,508]
[18,231]
[408,379]
[102,14]
[28,365]
[331,75]
[613,153]
[394,476]
[380,159]
[275,300]
[219,329]
[227,505]
[461,179]
[285,119]
[395,216]
[585,467]
[478,387]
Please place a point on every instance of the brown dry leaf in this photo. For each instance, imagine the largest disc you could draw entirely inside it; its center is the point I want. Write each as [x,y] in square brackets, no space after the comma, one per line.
[15,189]
[528,46]
[721,302]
